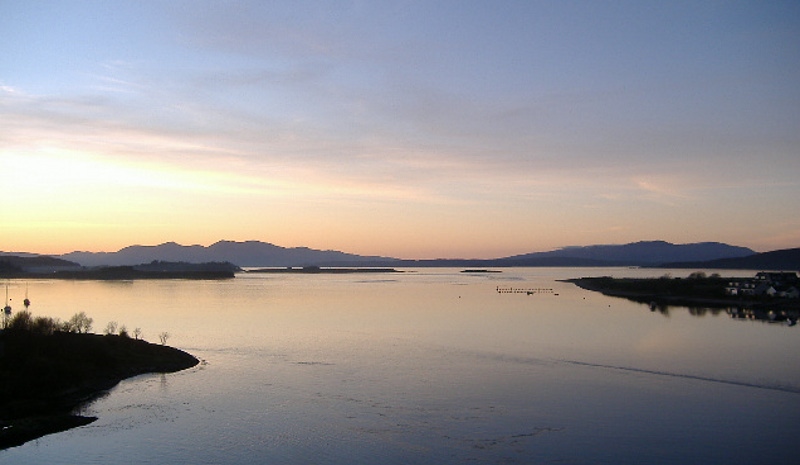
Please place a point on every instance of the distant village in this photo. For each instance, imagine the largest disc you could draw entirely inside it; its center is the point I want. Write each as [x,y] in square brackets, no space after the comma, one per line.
[782,284]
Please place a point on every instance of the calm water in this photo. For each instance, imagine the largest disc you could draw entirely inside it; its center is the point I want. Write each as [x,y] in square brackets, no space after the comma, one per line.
[428,366]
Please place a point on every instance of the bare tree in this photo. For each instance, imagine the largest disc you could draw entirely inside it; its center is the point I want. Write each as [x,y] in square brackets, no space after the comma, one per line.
[79,323]
[137,333]
[111,328]
[163,337]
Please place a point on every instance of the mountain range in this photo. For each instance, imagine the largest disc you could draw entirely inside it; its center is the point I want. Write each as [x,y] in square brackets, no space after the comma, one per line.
[256,253]
[248,253]
[263,254]
[646,253]
[786,259]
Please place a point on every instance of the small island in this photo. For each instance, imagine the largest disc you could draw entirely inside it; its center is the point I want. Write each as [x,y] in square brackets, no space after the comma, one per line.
[49,371]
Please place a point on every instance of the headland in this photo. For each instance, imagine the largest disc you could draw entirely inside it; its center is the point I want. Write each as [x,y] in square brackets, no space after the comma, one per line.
[47,376]
[760,292]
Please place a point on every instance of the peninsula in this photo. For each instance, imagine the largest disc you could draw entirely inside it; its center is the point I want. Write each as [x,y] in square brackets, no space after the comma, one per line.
[46,376]
[776,290]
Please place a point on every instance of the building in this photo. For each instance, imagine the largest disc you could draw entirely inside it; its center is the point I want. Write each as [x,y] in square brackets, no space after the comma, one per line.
[774,284]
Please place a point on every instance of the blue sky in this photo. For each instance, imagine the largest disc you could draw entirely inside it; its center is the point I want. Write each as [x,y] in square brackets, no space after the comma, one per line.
[411,129]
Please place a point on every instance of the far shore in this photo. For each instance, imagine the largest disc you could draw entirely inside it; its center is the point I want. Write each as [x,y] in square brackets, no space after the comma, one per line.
[120,273]
[322,270]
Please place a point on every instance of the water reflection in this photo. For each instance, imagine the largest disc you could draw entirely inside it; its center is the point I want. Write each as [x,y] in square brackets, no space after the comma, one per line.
[771,316]
[782,317]
[434,366]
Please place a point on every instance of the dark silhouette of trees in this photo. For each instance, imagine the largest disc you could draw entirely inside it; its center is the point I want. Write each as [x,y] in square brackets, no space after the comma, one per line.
[111,328]
[79,323]
[24,321]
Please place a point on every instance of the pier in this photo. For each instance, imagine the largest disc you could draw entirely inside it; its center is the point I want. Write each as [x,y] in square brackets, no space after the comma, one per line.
[523,290]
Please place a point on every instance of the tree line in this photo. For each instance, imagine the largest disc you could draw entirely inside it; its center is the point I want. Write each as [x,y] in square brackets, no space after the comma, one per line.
[79,323]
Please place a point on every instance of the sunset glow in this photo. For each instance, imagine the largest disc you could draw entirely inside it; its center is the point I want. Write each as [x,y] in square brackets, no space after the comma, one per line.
[414,130]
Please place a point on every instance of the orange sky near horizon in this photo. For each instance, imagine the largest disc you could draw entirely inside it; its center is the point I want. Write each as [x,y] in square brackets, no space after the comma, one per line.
[92,205]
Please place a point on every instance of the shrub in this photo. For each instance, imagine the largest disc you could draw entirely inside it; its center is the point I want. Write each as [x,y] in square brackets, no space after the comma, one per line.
[22,321]
[45,325]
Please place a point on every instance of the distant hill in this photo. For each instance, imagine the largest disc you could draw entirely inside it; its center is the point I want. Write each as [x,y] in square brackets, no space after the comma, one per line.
[777,260]
[249,253]
[635,254]
[650,253]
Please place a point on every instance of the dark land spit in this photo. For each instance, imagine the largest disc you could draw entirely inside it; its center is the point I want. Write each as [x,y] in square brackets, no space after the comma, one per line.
[703,292]
[46,377]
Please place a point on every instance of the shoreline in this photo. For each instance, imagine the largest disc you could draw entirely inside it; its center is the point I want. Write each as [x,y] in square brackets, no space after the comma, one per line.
[64,371]
[605,287]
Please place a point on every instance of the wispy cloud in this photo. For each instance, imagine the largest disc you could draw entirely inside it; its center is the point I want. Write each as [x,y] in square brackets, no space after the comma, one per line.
[659,192]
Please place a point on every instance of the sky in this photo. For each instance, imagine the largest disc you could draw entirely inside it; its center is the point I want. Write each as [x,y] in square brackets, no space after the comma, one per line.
[411,129]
